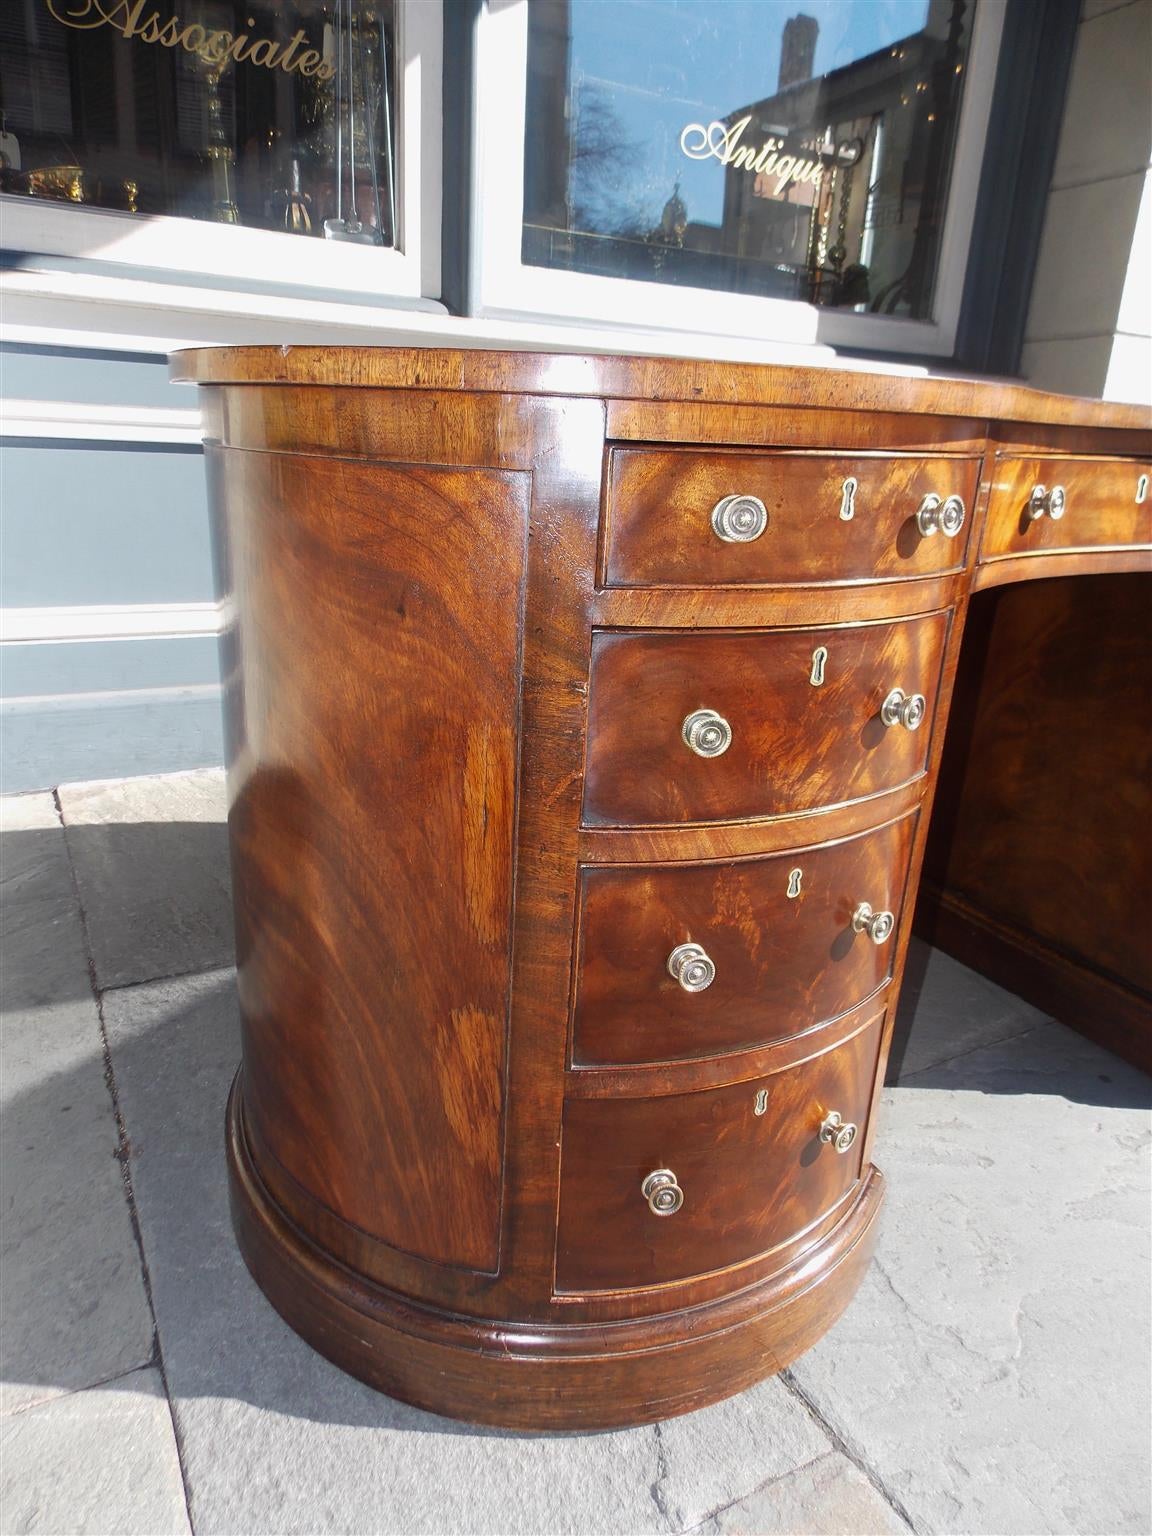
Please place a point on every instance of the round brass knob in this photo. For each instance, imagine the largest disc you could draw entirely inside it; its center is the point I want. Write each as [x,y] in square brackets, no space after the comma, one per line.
[691,967]
[936,515]
[877,925]
[836,1132]
[1043,500]
[707,733]
[739,519]
[663,1194]
[906,709]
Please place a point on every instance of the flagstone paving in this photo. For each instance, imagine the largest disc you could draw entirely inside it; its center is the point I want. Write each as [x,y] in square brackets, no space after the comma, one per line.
[991,1376]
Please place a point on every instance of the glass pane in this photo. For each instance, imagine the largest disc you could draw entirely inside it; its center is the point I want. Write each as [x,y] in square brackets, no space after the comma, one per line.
[743,145]
[277,116]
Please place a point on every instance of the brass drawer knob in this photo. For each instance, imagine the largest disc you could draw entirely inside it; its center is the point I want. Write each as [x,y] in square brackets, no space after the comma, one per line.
[707,733]
[936,515]
[906,709]
[739,519]
[877,925]
[692,968]
[663,1194]
[836,1132]
[1053,501]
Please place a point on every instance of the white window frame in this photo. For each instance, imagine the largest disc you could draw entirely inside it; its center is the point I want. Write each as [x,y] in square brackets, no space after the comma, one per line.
[199,248]
[502,285]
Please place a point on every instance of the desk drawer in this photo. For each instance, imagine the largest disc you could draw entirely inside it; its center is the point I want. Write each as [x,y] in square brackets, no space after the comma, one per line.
[826,517]
[802,709]
[747,1162]
[779,950]
[1098,503]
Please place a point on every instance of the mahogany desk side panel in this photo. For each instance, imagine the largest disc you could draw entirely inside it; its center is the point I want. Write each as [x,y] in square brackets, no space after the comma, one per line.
[584,722]
[1039,863]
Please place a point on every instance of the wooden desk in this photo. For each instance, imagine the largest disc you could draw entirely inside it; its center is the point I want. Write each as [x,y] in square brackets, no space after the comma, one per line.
[584,719]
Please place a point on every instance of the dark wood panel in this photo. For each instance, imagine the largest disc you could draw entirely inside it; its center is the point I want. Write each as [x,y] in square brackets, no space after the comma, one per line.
[389,1236]
[750,1180]
[1060,563]
[783,962]
[744,607]
[1115,1015]
[430,426]
[658,517]
[372,749]
[795,745]
[738,839]
[645,378]
[780,425]
[559,1374]
[658,1079]
[1045,795]
[1019,438]
[1103,505]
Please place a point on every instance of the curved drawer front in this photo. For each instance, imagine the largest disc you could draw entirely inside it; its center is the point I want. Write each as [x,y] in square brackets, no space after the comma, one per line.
[747,1161]
[827,518]
[784,941]
[803,707]
[1045,505]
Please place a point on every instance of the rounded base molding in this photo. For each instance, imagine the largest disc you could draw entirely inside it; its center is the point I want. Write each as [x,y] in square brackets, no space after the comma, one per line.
[559,1376]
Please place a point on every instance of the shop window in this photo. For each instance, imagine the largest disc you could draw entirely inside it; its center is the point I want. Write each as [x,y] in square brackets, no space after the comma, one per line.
[752,146]
[294,142]
[272,116]
[796,171]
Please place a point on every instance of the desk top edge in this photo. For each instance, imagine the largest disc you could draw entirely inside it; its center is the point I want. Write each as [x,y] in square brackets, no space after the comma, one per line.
[648,378]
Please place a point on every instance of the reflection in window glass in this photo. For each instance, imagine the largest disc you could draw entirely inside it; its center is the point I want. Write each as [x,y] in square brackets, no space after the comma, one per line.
[278,116]
[746,145]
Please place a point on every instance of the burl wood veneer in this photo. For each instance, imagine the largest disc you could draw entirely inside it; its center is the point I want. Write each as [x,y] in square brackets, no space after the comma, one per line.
[583,722]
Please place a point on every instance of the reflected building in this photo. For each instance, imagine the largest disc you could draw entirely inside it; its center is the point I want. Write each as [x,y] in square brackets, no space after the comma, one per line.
[860,227]
[878,129]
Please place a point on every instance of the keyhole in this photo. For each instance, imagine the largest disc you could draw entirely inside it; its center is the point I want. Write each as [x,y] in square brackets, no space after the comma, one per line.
[848,499]
[1141,490]
[794,878]
[761,1101]
[819,661]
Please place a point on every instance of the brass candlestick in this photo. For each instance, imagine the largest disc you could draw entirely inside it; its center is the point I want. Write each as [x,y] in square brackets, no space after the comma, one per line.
[218,152]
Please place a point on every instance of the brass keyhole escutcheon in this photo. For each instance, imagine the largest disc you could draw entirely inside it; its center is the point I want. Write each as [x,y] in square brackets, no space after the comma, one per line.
[761,1102]
[794,878]
[819,662]
[848,499]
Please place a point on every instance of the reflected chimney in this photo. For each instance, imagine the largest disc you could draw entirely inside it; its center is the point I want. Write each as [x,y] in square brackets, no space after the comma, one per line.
[797,50]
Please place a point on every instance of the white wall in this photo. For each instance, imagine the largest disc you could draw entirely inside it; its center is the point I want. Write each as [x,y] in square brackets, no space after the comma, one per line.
[1089,325]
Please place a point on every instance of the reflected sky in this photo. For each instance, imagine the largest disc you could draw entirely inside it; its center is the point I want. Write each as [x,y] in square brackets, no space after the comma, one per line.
[643,69]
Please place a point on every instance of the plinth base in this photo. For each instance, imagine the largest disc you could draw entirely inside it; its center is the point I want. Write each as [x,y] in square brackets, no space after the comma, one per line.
[524,1375]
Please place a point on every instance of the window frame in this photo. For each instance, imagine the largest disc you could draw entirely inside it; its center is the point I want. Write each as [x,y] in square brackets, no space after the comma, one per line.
[500,285]
[198,248]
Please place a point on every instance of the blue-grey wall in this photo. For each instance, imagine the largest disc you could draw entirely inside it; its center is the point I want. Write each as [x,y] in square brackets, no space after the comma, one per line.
[92,524]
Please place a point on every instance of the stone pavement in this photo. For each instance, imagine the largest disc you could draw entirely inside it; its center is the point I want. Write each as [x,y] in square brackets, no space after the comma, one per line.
[992,1375]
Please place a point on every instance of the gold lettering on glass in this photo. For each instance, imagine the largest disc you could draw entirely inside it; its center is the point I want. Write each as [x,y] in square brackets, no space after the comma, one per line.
[774,172]
[215,48]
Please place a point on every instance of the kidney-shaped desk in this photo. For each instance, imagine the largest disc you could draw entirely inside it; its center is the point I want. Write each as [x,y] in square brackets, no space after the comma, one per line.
[584,717]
